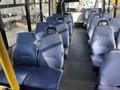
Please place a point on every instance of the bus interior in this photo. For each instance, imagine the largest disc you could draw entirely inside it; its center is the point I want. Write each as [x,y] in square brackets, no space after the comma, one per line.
[59,44]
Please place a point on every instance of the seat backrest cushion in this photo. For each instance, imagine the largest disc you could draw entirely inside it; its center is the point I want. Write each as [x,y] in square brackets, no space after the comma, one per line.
[118,41]
[25,52]
[93,24]
[103,40]
[90,18]
[51,51]
[109,71]
[115,24]
[68,20]
[51,20]
[57,15]
[108,16]
[40,30]
[41,27]
[62,29]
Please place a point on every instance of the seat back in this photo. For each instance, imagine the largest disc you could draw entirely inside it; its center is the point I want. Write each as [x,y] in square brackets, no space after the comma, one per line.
[108,16]
[62,29]
[40,30]
[69,23]
[115,24]
[91,16]
[25,52]
[41,27]
[102,40]
[93,24]
[70,15]
[67,20]
[115,20]
[51,52]
[118,41]
[57,15]
[109,71]
[51,20]
[87,12]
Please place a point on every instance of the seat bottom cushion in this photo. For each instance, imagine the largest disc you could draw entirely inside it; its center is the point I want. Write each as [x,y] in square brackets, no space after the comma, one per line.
[97,60]
[108,88]
[43,78]
[21,74]
[66,51]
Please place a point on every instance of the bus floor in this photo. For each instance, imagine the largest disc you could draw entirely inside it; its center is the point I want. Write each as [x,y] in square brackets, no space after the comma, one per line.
[78,73]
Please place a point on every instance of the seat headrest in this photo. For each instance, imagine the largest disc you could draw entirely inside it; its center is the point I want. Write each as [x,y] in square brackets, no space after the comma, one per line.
[61,19]
[51,30]
[103,22]
[97,14]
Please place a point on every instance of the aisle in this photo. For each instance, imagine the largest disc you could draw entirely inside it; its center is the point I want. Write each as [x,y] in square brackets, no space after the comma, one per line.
[78,74]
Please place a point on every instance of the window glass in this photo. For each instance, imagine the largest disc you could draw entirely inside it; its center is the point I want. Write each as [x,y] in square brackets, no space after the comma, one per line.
[14,20]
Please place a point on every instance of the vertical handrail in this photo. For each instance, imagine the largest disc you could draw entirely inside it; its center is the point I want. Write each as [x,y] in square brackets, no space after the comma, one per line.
[104,4]
[41,12]
[115,8]
[28,17]
[7,66]
[49,8]
[96,1]
[109,6]
[2,30]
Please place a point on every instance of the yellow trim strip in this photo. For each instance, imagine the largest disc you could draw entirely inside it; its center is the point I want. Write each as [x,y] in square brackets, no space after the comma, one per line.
[7,66]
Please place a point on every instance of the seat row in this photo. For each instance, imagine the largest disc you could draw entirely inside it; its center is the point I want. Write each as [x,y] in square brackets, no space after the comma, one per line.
[104,40]
[38,57]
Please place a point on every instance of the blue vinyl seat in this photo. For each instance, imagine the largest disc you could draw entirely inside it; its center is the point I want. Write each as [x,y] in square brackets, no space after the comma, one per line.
[102,41]
[108,15]
[101,87]
[24,57]
[21,72]
[90,18]
[88,12]
[62,29]
[51,20]
[115,24]
[51,51]
[40,29]
[93,26]
[70,15]
[118,41]
[109,77]
[43,79]
[37,68]
[67,20]
[50,61]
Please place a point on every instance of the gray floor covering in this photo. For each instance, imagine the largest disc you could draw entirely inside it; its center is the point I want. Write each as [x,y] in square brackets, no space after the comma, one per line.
[78,73]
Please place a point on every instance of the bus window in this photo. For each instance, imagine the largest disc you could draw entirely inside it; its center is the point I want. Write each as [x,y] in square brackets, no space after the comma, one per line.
[45,8]
[118,8]
[14,20]
[35,15]
[3,2]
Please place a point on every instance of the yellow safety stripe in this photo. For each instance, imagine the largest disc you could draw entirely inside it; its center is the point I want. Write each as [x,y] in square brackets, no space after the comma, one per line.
[7,66]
